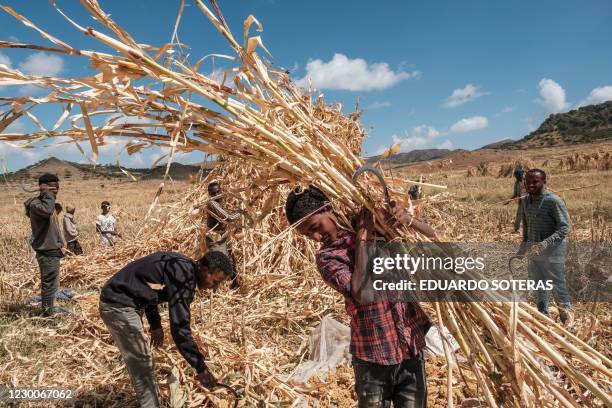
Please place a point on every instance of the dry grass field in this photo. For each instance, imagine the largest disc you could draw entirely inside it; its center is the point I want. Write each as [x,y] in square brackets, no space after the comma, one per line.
[586,192]
[471,209]
[130,203]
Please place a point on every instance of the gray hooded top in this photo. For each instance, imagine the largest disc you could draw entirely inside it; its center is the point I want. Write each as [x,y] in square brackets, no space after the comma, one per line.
[46,233]
[71,232]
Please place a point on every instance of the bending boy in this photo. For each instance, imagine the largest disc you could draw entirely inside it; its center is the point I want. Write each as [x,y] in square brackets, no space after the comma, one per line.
[141,286]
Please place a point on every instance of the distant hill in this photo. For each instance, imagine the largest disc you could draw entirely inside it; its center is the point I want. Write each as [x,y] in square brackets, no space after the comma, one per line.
[498,145]
[67,170]
[413,156]
[584,125]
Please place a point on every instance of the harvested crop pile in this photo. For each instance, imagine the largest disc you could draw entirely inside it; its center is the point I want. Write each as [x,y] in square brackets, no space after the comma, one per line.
[483,169]
[507,169]
[260,117]
[582,162]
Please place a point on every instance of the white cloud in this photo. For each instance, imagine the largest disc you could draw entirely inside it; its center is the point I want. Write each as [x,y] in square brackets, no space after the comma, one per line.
[378,105]
[20,154]
[553,96]
[343,73]
[42,64]
[470,124]
[5,60]
[462,95]
[134,161]
[447,144]
[410,143]
[529,122]
[427,131]
[13,38]
[420,137]
[15,154]
[598,95]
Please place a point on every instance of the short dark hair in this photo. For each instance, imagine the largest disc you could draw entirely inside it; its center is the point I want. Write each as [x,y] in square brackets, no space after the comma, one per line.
[218,260]
[58,207]
[304,203]
[212,184]
[534,171]
[47,178]
[105,204]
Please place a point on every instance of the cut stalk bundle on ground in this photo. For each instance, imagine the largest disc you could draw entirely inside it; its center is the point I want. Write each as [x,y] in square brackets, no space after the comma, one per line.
[257,115]
[507,169]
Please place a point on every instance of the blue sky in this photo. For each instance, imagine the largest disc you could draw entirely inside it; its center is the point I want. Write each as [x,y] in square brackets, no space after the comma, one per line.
[456,74]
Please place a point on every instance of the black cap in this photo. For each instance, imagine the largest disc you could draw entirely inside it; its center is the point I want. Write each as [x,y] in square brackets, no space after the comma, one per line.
[47,178]
[105,204]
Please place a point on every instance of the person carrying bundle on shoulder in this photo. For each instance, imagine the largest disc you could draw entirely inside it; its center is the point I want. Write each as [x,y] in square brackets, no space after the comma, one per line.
[139,288]
[387,338]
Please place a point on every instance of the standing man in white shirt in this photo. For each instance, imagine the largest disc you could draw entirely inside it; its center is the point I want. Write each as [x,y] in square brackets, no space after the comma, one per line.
[106,225]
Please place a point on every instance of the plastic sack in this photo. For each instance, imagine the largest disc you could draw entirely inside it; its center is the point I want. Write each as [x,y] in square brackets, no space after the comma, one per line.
[328,347]
[433,341]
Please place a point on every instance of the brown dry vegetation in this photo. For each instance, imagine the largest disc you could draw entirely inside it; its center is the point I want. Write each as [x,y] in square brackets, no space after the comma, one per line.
[264,119]
[273,312]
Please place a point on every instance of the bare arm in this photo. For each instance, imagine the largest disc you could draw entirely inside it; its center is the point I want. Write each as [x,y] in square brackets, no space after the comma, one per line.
[402,216]
[223,213]
[360,279]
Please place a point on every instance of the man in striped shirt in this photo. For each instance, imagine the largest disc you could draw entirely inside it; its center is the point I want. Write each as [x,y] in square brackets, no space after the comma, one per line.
[218,217]
[546,224]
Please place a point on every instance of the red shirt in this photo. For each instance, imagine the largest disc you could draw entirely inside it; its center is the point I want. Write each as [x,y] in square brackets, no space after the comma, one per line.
[383,333]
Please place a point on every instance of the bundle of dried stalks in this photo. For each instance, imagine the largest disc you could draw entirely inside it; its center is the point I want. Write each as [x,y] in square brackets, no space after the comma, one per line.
[582,162]
[483,169]
[256,114]
[507,169]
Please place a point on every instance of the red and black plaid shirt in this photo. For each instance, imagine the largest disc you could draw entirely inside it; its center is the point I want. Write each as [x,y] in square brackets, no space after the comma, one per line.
[384,333]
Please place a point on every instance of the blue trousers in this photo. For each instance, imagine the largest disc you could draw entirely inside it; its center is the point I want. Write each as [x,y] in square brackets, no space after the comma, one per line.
[542,270]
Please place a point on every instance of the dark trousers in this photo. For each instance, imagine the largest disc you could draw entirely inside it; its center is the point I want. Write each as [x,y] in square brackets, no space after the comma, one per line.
[49,280]
[75,247]
[404,384]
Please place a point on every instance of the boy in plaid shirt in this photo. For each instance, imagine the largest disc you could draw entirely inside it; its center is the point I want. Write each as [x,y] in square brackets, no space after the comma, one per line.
[387,338]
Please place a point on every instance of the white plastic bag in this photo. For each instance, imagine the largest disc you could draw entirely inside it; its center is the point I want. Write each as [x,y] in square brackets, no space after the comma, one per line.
[328,347]
[434,341]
